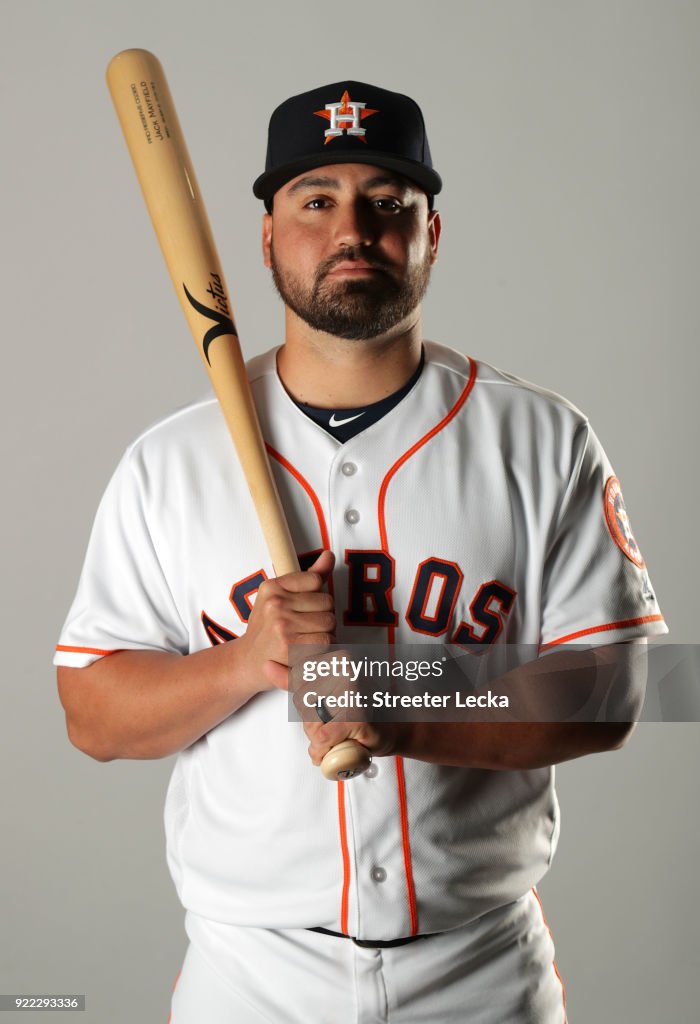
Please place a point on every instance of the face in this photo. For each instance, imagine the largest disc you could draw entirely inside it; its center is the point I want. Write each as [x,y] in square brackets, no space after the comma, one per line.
[350,247]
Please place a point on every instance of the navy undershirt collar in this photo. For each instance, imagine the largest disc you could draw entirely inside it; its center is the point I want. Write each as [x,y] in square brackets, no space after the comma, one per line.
[344,424]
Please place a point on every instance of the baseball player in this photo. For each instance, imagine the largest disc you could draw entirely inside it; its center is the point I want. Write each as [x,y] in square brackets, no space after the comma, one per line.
[431,497]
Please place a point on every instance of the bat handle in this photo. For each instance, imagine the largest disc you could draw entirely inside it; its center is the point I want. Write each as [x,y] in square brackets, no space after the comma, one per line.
[345,761]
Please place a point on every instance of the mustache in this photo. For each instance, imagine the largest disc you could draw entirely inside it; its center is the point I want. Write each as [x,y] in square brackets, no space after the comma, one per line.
[350,255]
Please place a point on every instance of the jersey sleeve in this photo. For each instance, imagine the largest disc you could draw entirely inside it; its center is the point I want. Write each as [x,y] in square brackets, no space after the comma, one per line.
[123,600]
[596,587]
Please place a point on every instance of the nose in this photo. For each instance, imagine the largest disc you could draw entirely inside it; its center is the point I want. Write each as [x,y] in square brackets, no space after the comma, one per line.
[353,225]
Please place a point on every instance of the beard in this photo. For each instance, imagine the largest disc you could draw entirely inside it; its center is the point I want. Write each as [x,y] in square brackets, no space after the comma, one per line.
[356,310]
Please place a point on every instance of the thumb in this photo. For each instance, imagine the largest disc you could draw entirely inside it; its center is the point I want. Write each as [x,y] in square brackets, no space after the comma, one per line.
[323,564]
[276,674]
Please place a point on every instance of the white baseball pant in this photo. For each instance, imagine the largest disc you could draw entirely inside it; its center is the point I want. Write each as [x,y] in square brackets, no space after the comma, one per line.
[498,969]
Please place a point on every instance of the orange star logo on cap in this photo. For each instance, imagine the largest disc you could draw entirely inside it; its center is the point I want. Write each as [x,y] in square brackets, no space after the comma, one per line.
[345,117]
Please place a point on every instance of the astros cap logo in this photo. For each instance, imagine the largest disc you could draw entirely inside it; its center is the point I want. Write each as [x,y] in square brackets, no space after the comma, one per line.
[345,116]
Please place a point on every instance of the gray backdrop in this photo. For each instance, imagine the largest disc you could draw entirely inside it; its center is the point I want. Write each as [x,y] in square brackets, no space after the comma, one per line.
[566,133]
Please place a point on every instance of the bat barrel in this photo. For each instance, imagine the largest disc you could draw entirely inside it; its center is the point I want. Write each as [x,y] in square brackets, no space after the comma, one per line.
[155,140]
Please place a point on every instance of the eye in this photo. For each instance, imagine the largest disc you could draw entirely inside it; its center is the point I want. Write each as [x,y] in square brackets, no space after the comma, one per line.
[387,205]
[317,203]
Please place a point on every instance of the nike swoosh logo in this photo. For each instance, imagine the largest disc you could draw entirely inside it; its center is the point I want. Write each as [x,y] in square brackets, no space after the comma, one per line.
[333,422]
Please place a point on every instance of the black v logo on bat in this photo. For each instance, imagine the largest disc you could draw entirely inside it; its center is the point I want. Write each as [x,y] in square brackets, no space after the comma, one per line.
[224,323]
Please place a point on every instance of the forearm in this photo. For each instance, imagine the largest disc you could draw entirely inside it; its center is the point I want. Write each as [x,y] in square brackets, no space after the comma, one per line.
[508,746]
[560,707]
[546,698]
[149,704]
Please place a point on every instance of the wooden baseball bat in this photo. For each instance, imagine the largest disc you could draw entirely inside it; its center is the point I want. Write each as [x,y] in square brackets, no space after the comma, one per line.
[149,121]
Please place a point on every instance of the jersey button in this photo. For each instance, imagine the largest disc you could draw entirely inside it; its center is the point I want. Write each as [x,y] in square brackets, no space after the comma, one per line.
[348,469]
[352,516]
[378,874]
[371,772]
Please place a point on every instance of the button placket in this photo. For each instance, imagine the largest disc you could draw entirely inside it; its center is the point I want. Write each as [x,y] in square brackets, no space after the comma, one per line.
[346,470]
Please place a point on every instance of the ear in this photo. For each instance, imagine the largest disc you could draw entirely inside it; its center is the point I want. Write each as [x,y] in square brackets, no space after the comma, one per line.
[266,238]
[434,229]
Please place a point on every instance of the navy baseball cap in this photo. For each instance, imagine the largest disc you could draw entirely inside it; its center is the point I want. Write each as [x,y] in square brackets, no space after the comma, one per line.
[347,123]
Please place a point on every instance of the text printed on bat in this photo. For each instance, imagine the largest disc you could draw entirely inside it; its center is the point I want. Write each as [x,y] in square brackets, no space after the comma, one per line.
[221,315]
[150,111]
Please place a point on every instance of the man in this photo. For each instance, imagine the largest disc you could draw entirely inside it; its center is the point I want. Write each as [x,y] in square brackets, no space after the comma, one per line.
[430,497]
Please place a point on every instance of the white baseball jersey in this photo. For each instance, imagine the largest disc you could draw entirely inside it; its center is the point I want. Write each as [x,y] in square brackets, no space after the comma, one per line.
[479,510]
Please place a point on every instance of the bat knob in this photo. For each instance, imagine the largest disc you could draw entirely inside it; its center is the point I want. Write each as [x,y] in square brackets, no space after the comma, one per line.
[346,761]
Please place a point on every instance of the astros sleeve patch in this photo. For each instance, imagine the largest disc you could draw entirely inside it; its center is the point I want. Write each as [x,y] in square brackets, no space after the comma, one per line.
[618,522]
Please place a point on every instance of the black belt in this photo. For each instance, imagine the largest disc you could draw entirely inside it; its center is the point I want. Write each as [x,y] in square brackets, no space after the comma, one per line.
[371,943]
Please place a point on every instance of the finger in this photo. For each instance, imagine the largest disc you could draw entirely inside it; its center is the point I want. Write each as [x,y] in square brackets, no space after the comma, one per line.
[299,582]
[381,740]
[314,668]
[297,627]
[322,638]
[325,737]
[322,736]
[310,601]
[313,579]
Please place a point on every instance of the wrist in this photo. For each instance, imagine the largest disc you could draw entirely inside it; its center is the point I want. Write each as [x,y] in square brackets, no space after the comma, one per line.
[240,675]
[405,739]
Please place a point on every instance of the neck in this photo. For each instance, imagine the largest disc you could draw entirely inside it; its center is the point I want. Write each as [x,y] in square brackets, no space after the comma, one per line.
[333,373]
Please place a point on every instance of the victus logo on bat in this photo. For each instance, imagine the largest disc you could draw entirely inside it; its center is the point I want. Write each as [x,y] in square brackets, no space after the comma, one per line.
[221,315]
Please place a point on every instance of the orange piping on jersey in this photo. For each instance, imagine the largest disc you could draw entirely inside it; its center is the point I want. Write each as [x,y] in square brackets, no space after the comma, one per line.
[346,859]
[401,782]
[406,843]
[313,497]
[342,820]
[554,963]
[403,818]
[174,987]
[83,650]
[600,629]
[419,444]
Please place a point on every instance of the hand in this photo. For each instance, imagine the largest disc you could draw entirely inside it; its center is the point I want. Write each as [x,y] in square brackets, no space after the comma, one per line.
[382,739]
[291,609]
